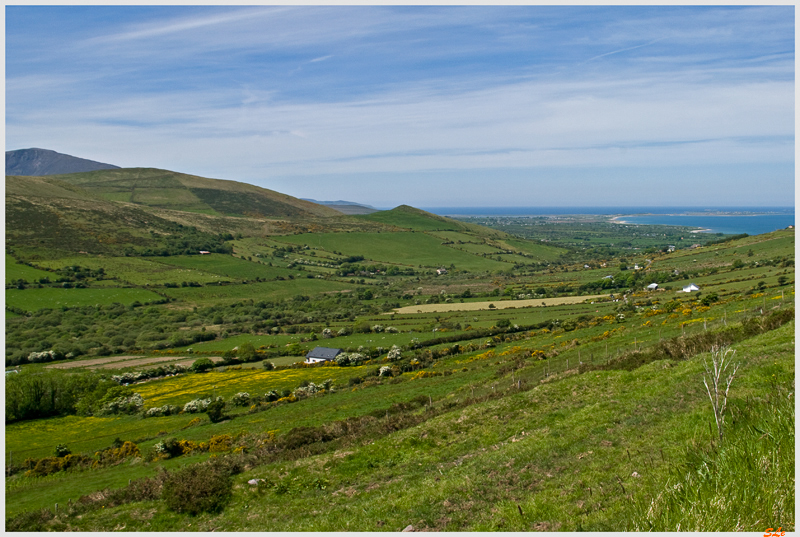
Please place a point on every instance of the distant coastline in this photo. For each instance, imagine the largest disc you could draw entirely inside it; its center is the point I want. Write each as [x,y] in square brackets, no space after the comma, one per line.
[725,220]
[612,211]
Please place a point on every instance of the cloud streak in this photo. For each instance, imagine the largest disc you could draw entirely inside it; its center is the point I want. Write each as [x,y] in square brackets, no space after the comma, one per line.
[299,94]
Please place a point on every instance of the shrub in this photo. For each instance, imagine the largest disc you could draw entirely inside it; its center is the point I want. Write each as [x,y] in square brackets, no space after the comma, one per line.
[170,447]
[268,366]
[241,399]
[45,356]
[166,410]
[197,489]
[220,443]
[304,435]
[196,405]
[394,354]
[201,365]
[46,466]
[305,391]
[216,411]
[385,371]
[247,352]
[123,405]
[62,450]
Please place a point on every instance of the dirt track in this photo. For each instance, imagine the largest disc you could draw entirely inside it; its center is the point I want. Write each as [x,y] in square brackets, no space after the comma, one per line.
[128,361]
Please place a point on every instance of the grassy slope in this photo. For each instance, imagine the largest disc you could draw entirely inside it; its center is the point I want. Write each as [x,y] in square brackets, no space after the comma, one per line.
[172,190]
[554,452]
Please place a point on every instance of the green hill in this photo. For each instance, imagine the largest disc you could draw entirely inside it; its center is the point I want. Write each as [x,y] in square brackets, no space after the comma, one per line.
[172,190]
[407,217]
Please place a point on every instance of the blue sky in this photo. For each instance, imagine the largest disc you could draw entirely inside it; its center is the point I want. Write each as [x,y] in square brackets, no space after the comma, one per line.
[428,106]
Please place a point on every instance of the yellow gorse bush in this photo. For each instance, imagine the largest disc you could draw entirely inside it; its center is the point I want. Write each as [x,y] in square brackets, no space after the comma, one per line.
[425,374]
[220,443]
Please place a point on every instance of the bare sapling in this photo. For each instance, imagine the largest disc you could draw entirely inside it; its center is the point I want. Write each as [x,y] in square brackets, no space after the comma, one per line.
[718,375]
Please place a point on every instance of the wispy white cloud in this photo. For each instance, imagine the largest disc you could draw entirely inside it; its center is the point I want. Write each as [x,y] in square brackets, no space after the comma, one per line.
[302,93]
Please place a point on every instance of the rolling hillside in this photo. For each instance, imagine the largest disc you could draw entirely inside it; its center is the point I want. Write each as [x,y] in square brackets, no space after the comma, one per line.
[165,189]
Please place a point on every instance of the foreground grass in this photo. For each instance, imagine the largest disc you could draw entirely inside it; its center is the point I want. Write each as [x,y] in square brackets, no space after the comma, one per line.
[576,452]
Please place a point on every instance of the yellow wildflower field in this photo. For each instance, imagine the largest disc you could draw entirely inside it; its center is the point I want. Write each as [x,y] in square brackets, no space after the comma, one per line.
[182,389]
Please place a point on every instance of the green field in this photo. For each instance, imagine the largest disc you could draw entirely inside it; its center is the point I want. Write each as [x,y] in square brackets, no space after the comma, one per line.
[402,248]
[51,297]
[137,270]
[17,271]
[226,265]
[274,290]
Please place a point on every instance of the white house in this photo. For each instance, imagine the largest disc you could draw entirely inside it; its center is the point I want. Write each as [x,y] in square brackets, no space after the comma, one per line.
[691,287]
[321,354]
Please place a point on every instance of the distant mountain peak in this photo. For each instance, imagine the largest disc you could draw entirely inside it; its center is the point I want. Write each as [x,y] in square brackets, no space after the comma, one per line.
[339,202]
[38,162]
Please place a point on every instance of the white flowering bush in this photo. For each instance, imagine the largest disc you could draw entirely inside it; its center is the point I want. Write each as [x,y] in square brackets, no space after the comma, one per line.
[391,330]
[160,371]
[124,405]
[241,399]
[327,333]
[349,358]
[166,410]
[45,356]
[377,328]
[305,391]
[394,354]
[343,332]
[196,405]
[385,371]
[343,359]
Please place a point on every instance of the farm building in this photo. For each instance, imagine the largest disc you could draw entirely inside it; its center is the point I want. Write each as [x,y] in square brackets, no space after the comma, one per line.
[691,287]
[321,354]
[653,286]
[441,271]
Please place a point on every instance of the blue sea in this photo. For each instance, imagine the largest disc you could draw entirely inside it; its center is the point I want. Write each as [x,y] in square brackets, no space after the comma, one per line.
[728,220]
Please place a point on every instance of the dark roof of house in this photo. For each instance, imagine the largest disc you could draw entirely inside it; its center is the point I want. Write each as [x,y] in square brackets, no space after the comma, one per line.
[323,353]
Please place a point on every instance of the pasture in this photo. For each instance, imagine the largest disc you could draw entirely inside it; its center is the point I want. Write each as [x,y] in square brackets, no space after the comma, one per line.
[273,290]
[402,248]
[226,265]
[136,270]
[17,271]
[54,297]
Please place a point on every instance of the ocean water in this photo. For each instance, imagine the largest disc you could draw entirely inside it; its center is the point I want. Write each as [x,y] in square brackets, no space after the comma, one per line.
[728,220]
